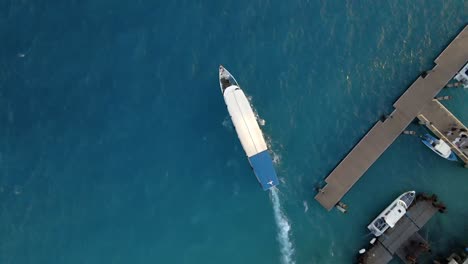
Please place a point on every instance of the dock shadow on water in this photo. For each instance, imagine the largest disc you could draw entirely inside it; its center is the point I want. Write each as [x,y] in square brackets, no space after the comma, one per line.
[286,246]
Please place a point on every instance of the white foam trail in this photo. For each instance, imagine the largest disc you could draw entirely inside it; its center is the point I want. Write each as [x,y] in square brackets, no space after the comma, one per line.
[276,157]
[286,246]
[227,123]
[306,206]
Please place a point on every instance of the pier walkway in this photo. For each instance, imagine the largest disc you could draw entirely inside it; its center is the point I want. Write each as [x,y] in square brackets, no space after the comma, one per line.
[382,134]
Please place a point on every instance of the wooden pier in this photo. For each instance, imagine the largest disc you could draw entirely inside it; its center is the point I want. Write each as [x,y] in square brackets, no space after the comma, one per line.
[404,239]
[409,106]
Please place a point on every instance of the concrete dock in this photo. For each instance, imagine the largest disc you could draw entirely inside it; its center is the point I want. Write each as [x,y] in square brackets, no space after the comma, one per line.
[409,106]
[403,240]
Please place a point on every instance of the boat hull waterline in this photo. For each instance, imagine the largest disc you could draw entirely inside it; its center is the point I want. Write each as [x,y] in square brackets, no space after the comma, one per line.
[248,130]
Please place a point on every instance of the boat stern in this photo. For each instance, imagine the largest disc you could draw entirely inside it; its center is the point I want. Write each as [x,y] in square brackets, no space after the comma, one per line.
[262,165]
[374,230]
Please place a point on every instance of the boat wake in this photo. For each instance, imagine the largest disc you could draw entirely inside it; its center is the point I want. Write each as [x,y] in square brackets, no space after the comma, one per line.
[227,123]
[282,223]
[276,158]
[286,246]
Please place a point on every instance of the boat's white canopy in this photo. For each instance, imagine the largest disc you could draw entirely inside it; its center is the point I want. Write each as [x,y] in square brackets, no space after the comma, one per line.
[395,214]
[244,121]
[443,148]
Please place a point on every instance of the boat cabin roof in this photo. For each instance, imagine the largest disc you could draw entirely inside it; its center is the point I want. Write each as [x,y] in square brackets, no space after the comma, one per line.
[443,148]
[396,212]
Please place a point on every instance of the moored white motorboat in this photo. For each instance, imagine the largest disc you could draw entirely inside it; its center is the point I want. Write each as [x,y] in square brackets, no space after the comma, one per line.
[394,212]
[248,131]
[439,147]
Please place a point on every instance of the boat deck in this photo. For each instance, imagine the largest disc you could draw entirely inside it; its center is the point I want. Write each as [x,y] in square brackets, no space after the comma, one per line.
[382,134]
[401,239]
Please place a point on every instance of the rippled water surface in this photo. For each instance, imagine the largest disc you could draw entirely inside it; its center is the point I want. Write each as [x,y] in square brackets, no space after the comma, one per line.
[116,147]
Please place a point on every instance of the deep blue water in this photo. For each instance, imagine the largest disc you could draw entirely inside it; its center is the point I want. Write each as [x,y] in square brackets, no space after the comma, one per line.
[113,148]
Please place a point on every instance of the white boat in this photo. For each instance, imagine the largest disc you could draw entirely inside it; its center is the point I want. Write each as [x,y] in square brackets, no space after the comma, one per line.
[248,131]
[390,216]
[439,147]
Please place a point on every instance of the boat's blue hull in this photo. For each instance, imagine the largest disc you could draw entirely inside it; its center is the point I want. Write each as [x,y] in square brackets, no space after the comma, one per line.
[428,139]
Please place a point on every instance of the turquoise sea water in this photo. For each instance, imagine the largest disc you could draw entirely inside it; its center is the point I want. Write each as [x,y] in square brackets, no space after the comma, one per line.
[115,145]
